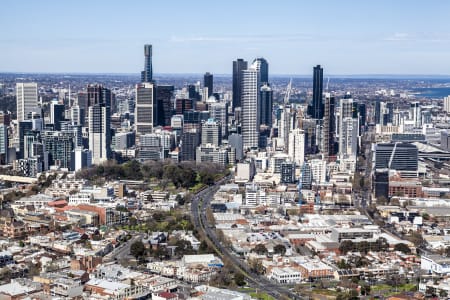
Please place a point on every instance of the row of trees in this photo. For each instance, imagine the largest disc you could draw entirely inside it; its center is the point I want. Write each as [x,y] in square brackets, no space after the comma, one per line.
[364,246]
[184,174]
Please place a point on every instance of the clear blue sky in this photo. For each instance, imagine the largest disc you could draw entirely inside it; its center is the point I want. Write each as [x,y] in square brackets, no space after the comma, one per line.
[107,36]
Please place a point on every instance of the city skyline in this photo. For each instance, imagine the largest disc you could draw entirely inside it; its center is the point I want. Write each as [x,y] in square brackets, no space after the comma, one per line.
[404,37]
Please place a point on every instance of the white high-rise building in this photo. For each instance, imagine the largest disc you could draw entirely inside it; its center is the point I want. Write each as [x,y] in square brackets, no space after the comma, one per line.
[250,103]
[297,146]
[416,114]
[348,139]
[27,99]
[100,133]
[447,104]
[145,94]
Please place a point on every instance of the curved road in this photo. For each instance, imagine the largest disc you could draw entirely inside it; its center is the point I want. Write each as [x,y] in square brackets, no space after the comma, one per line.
[198,209]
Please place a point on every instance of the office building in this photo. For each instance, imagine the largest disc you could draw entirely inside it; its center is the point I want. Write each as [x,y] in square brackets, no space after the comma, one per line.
[239,66]
[147,74]
[219,112]
[209,153]
[447,104]
[211,132]
[164,105]
[316,107]
[97,94]
[4,142]
[183,105]
[348,138]
[190,140]
[416,114]
[235,141]
[57,114]
[288,172]
[24,127]
[250,107]
[296,149]
[27,99]
[208,83]
[396,156]
[261,65]
[144,109]
[328,127]
[265,114]
[80,158]
[59,146]
[99,133]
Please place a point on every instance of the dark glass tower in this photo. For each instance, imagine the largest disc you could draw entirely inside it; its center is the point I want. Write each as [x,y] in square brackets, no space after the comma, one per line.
[147,74]
[208,83]
[263,67]
[317,107]
[238,66]
[265,108]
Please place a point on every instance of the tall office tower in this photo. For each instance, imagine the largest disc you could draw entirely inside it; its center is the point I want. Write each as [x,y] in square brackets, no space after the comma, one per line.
[261,65]
[328,128]
[297,146]
[402,157]
[208,83]
[265,115]
[24,127]
[447,104]
[239,65]
[145,109]
[190,140]
[5,118]
[27,99]
[99,133]
[219,112]
[316,107]
[348,138]
[389,112]
[211,132]
[98,94]
[3,144]
[164,106]
[362,115]
[76,115]
[193,92]
[59,146]
[235,141]
[416,114]
[147,74]
[285,125]
[183,105]
[57,115]
[76,131]
[80,158]
[250,107]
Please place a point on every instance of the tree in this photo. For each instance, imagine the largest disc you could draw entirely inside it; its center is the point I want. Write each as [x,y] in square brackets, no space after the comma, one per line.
[346,246]
[239,279]
[443,294]
[180,200]
[137,249]
[256,266]
[382,200]
[183,247]
[260,249]
[402,248]
[279,249]
[365,289]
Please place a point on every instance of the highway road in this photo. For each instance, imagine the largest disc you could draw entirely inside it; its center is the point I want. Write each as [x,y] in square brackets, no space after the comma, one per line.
[198,208]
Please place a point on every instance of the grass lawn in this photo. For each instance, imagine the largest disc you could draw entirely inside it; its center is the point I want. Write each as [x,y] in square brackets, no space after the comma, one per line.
[325,292]
[262,296]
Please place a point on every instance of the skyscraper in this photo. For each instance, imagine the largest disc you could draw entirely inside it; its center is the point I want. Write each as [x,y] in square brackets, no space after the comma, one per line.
[211,132]
[100,133]
[96,94]
[329,130]
[316,108]
[265,114]
[3,144]
[262,66]
[208,83]
[56,114]
[145,109]
[250,107]
[147,74]
[297,146]
[447,104]
[219,112]
[164,104]
[238,66]
[416,114]
[27,98]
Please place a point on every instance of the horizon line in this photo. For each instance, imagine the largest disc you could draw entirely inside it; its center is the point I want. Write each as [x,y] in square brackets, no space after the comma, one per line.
[230,74]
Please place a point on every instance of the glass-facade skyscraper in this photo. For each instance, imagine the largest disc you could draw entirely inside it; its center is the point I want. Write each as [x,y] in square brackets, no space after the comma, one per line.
[239,65]
[147,74]
[316,109]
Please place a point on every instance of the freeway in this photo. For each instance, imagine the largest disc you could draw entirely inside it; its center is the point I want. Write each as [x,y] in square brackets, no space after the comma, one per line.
[198,208]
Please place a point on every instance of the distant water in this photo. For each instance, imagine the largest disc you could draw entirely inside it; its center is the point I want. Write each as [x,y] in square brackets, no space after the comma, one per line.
[439,92]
